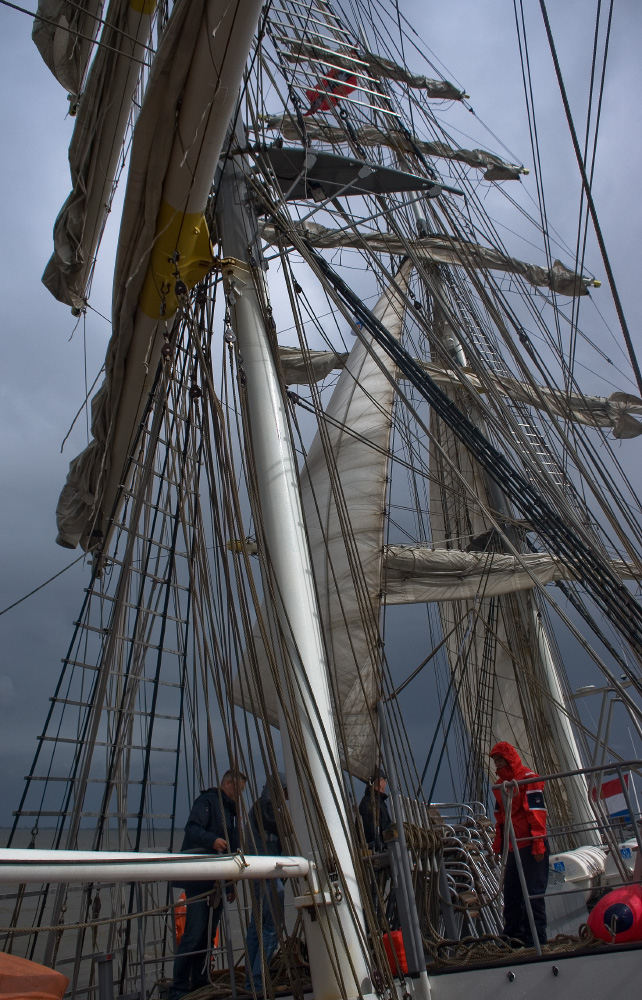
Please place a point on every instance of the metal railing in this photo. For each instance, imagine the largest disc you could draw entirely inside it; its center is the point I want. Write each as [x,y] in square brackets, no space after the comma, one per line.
[602,823]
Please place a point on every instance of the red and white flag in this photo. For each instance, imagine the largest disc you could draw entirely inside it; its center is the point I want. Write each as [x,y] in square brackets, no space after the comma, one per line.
[612,795]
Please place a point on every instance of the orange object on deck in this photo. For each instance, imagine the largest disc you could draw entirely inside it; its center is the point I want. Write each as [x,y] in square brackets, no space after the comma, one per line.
[393,944]
[617,918]
[21,979]
[180,916]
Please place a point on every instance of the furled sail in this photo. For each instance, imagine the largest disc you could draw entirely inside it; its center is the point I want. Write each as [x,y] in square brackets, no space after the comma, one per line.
[359,60]
[615,411]
[63,33]
[414,574]
[495,168]
[447,250]
[164,238]
[304,367]
[360,407]
[96,148]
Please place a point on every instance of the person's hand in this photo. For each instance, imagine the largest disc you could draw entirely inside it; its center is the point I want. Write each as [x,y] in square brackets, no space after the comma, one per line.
[539,857]
[231,894]
[220,845]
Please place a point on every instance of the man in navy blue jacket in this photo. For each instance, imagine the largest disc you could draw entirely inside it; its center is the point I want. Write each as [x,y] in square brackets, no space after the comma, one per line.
[211,829]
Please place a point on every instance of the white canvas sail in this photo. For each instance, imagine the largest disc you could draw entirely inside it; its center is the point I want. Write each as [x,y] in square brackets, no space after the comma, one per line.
[447,250]
[63,31]
[164,236]
[414,574]
[495,169]
[617,411]
[96,148]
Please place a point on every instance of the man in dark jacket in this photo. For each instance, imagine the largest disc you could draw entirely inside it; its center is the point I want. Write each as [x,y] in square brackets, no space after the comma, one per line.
[528,815]
[211,829]
[268,894]
[374,812]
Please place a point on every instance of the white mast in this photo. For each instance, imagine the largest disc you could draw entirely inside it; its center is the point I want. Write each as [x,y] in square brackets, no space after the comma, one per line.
[335,931]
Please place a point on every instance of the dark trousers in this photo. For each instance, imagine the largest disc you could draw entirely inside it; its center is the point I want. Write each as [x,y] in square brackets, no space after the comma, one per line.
[516,923]
[190,971]
[267,899]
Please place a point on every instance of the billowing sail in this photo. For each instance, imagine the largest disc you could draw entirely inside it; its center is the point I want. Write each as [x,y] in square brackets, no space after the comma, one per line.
[448,250]
[343,488]
[303,367]
[96,148]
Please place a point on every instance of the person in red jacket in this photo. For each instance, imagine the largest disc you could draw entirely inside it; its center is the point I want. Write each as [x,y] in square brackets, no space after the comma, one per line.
[528,812]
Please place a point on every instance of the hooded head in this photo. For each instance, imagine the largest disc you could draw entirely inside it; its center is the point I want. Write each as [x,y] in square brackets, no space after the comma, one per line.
[272,783]
[513,767]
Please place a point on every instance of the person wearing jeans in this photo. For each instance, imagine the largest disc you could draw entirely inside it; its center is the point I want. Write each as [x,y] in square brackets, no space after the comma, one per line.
[267,894]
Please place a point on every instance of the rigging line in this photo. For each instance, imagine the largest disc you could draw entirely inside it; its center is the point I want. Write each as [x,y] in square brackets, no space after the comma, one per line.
[595,135]
[576,308]
[434,652]
[591,204]
[82,406]
[608,591]
[50,580]
[99,20]
[534,137]
[77,34]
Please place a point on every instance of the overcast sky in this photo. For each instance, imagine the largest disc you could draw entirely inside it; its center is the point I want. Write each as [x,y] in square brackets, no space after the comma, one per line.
[44,348]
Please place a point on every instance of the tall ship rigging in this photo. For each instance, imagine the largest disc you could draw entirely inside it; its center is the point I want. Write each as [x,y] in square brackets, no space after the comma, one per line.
[341,446]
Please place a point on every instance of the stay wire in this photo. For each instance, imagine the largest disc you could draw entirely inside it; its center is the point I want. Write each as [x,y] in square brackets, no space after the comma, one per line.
[606,588]
[36,589]
[591,204]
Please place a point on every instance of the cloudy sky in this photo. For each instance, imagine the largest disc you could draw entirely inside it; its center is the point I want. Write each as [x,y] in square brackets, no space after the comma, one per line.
[48,358]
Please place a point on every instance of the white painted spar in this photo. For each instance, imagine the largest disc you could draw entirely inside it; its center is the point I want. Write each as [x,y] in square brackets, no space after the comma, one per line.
[23,865]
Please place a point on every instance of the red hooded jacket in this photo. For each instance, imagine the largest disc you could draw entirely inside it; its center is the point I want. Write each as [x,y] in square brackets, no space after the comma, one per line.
[528,809]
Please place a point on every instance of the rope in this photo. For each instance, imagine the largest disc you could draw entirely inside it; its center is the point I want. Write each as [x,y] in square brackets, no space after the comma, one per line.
[105,920]
[591,205]
[50,580]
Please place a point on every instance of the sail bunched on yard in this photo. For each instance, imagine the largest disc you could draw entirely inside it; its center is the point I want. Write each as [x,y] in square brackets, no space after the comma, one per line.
[64,32]
[495,169]
[163,238]
[617,411]
[97,147]
[414,574]
[446,250]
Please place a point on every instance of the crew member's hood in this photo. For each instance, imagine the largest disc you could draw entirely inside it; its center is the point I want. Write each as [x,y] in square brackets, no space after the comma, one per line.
[515,769]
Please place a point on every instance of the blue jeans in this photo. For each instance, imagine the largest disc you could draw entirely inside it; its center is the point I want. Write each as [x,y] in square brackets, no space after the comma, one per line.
[267,896]
[190,971]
